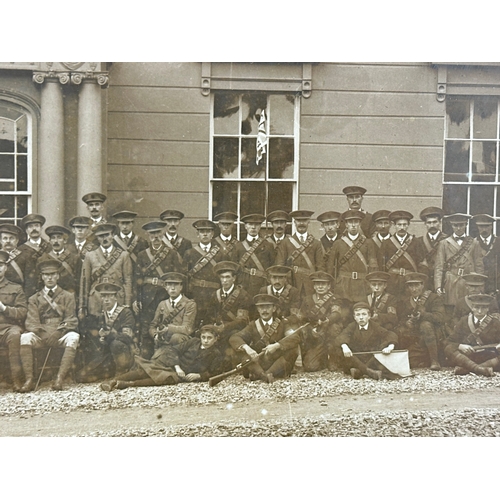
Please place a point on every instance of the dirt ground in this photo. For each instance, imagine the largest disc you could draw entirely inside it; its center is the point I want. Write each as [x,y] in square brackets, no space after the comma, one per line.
[102,422]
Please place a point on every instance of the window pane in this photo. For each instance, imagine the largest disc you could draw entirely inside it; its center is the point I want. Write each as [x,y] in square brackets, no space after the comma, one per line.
[249,167]
[224,197]
[7,202]
[458,117]
[225,158]
[483,161]
[281,114]
[253,198]
[226,108]
[6,135]
[22,173]
[481,200]
[22,134]
[280,196]
[454,201]
[6,166]
[281,158]
[485,118]
[252,105]
[22,206]
[456,165]
[6,186]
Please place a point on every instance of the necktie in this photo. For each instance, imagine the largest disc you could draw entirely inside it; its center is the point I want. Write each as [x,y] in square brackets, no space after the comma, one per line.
[302,239]
[266,327]
[51,293]
[224,295]
[459,239]
[172,303]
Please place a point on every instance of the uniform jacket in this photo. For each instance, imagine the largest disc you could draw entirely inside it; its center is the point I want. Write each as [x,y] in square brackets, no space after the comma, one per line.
[464,330]
[43,320]
[375,338]
[12,295]
[119,273]
[179,243]
[433,310]
[226,247]
[462,309]
[182,323]
[386,309]
[430,250]
[289,299]
[133,246]
[346,287]
[121,324]
[251,336]
[492,267]
[67,277]
[27,266]
[454,284]
[367,225]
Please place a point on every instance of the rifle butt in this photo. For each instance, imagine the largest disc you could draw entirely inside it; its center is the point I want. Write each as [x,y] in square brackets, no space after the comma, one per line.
[213,381]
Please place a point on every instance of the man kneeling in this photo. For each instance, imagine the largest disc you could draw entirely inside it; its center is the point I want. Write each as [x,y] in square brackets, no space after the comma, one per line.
[361,336]
[196,359]
[474,344]
[51,321]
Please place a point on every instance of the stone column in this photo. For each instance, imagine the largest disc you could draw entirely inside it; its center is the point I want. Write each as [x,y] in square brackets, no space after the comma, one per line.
[89,176]
[51,196]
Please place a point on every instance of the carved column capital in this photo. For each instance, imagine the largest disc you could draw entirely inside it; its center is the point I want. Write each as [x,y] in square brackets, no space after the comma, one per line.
[73,73]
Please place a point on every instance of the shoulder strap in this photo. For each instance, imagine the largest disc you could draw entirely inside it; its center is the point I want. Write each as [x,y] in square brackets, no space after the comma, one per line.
[401,251]
[112,259]
[204,260]
[354,249]
[463,249]
[250,250]
[52,304]
[300,250]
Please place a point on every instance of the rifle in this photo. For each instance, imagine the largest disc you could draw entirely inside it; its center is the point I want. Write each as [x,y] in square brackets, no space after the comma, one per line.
[212,381]
[43,368]
[484,347]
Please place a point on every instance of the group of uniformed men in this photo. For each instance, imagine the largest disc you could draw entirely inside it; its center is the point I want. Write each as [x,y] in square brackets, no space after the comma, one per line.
[163,309]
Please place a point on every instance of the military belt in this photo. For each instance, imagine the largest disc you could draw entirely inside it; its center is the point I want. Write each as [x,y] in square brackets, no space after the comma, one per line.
[301,270]
[252,271]
[203,283]
[401,271]
[154,281]
[354,275]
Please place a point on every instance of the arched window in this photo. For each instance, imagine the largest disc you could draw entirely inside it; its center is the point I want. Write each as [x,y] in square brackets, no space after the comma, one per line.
[15,162]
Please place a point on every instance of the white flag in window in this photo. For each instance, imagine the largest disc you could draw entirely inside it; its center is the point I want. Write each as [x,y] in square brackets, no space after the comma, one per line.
[261,137]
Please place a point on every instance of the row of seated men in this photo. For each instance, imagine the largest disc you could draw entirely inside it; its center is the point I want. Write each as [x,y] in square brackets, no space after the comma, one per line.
[115,254]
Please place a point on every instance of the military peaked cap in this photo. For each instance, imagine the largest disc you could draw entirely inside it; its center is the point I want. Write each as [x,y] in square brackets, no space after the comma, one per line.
[89,197]
[204,224]
[278,215]
[80,220]
[125,216]
[301,214]
[278,270]
[378,276]
[226,217]
[104,288]
[226,265]
[328,217]
[354,190]
[475,278]
[381,215]
[480,299]
[400,214]
[32,218]
[320,276]
[57,230]
[361,305]
[457,218]
[4,257]
[431,212]
[253,218]
[415,278]
[13,229]
[105,228]
[353,214]
[49,266]
[483,219]
[173,277]
[171,214]
[264,298]
[154,225]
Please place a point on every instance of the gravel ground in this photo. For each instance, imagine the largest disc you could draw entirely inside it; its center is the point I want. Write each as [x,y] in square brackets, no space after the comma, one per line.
[89,397]
[468,422]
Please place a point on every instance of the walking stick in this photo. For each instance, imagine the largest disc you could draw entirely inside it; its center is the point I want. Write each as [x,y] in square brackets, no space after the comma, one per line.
[43,368]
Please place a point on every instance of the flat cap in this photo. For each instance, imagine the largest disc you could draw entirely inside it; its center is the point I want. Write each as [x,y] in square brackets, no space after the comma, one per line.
[457,218]
[378,276]
[154,225]
[381,215]
[253,218]
[125,216]
[483,219]
[174,277]
[4,257]
[416,278]
[204,224]
[87,198]
[226,217]
[13,229]
[80,220]
[320,276]
[329,217]
[301,214]
[108,288]
[361,305]
[32,218]
[226,265]
[171,214]
[278,215]
[353,214]
[49,266]
[278,270]
[105,228]
[480,299]
[400,214]
[209,329]
[264,298]
[354,190]
[431,212]
[57,230]
[475,278]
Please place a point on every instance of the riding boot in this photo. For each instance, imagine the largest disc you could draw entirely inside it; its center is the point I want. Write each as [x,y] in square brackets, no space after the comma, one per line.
[427,331]
[433,354]
[468,366]
[491,363]
[64,368]
[26,353]
[16,369]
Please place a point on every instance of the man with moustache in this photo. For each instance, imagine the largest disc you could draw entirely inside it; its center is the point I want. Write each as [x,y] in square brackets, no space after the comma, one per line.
[382,227]
[95,206]
[226,239]
[126,238]
[330,224]
[279,220]
[354,195]
[171,238]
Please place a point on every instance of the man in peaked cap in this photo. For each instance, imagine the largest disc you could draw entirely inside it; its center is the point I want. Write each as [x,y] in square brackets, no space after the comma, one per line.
[457,255]
[80,227]
[288,295]
[171,238]
[13,308]
[302,252]
[59,251]
[268,329]
[383,305]
[382,227]
[112,340]
[421,322]
[200,261]
[254,255]
[152,264]
[229,308]
[401,253]
[35,245]
[485,238]
[226,239]
[279,220]
[21,268]
[478,328]
[354,195]
[351,258]
[95,206]
[431,217]
[126,238]
[330,224]
[106,264]
[52,322]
